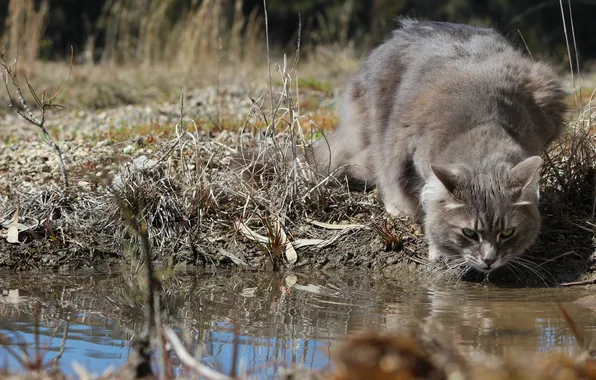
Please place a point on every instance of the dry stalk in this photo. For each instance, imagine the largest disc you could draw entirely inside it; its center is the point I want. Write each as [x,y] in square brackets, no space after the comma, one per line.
[9,74]
[288,189]
[149,33]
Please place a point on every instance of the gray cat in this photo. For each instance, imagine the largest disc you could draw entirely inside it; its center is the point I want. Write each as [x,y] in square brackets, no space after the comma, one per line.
[449,122]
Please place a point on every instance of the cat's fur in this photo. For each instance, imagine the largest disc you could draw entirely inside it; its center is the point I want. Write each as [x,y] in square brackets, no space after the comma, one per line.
[449,122]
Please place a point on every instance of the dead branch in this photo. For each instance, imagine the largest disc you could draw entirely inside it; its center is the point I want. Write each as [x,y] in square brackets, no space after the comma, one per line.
[9,74]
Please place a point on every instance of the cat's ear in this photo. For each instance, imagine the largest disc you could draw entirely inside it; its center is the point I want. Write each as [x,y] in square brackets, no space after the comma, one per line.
[447,177]
[527,173]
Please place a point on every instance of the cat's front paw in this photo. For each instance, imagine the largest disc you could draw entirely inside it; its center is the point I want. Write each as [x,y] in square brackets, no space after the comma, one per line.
[395,211]
[434,253]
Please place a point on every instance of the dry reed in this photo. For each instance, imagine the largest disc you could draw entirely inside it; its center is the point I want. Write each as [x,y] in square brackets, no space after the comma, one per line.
[167,32]
[26,25]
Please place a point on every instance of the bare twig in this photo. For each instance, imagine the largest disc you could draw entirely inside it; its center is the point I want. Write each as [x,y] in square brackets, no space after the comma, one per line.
[9,73]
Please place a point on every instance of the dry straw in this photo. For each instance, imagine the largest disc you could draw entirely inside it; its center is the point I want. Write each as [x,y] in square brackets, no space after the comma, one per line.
[25,26]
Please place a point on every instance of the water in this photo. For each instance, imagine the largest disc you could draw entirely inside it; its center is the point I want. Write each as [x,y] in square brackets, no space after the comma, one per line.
[280,320]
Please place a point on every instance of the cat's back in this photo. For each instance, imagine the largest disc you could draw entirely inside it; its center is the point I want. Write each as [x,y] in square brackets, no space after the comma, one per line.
[419,52]
[430,83]
[423,40]
[464,76]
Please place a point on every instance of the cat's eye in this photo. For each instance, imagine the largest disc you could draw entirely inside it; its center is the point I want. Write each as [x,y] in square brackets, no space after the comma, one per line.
[470,233]
[506,234]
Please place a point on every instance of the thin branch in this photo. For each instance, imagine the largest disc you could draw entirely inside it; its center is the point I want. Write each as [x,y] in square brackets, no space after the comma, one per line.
[10,72]
[269,61]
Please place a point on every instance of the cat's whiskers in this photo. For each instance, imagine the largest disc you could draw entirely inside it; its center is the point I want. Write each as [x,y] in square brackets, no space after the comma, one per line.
[456,267]
[536,266]
[455,264]
[516,272]
[467,268]
[546,261]
[459,269]
[529,267]
[471,260]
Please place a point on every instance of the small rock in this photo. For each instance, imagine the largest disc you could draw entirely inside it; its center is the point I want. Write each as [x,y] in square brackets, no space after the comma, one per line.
[128,149]
[105,142]
[139,163]
[83,184]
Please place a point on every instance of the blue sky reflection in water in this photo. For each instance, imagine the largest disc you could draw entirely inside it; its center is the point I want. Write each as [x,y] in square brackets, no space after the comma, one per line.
[93,345]
[282,321]
[99,347]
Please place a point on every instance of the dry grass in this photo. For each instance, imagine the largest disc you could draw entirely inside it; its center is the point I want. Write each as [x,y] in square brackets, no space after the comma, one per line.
[149,55]
[145,32]
[156,49]
[569,176]
[25,26]
[205,198]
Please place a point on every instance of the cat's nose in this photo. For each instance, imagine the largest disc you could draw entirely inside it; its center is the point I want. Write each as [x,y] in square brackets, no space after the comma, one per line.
[489,262]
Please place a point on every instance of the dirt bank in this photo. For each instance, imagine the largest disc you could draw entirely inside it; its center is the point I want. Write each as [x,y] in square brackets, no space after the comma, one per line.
[176,178]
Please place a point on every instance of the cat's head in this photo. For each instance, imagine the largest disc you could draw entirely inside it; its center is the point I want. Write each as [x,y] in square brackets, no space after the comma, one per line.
[484,219]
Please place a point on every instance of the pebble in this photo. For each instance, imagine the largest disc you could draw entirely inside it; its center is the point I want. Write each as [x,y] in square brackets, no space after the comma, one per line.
[84,184]
[104,142]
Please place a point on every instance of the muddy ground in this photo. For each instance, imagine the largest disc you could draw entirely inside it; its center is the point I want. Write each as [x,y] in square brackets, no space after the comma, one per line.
[176,178]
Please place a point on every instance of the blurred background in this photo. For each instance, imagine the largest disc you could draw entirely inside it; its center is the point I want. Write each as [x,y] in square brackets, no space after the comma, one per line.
[149,31]
[147,51]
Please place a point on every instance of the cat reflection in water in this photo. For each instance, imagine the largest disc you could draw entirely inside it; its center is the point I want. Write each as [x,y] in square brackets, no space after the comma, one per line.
[449,122]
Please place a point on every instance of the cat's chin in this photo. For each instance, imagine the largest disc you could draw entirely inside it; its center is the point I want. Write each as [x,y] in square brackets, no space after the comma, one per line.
[483,268]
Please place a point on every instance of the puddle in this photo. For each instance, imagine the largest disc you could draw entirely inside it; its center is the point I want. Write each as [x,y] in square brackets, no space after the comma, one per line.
[281,321]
